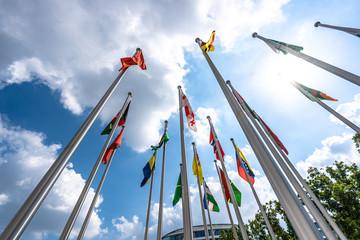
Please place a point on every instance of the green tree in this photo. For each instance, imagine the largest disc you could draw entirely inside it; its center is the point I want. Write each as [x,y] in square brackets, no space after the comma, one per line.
[338,189]
[356,139]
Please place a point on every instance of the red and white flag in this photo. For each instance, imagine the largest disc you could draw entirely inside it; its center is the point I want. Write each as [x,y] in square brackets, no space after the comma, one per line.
[189,112]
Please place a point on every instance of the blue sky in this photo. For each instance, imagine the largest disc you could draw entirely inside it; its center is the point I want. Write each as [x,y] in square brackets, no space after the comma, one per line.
[58,58]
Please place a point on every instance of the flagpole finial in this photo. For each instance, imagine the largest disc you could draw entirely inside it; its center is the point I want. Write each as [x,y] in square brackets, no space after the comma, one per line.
[138,50]
[208,117]
[130,94]
[317,24]
[166,122]
[231,139]
[254,35]
[228,82]
[179,87]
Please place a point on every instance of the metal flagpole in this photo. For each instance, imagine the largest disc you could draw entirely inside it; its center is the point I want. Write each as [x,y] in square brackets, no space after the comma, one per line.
[352,31]
[309,204]
[76,210]
[309,191]
[149,203]
[232,196]
[271,232]
[24,215]
[200,196]
[226,202]
[91,208]
[333,112]
[296,213]
[208,211]
[159,230]
[330,68]
[188,230]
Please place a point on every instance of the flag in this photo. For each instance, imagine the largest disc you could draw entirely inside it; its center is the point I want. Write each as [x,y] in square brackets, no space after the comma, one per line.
[148,169]
[236,191]
[190,117]
[164,138]
[206,47]
[211,202]
[316,93]
[122,121]
[196,167]
[137,59]
[294,47]
[114,145]
[247,106]
[244,167]
[178,191]
[212,143]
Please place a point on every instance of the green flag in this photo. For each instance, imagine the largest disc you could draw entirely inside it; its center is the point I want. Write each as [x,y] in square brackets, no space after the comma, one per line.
[178,191]
[164,138]
[316,93]
[237,194]
[294,47]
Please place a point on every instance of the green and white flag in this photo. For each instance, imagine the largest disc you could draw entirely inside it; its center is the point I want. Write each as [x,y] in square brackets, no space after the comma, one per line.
[178,191]
[211,202]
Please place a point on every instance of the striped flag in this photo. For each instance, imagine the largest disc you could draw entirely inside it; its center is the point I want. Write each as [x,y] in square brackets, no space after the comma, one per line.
[122,121]
[148,169]
[243,166]
[208,46]
[316,93]
[163,139]
[211,202]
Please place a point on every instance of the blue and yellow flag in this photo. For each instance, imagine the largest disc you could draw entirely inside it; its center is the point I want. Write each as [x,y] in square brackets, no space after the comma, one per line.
[243,166]
[148,169]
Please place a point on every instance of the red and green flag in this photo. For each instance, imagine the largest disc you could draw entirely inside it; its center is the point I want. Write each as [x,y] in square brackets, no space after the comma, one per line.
[236,191]
[122,121]
[211,202]
[316,93]
[164,138]
[114,145]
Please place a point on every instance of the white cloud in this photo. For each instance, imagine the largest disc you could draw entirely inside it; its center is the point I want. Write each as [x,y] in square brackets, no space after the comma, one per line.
[202,123]
[127,229]
[350,110]
[334,148]
[77,52]
[27,160]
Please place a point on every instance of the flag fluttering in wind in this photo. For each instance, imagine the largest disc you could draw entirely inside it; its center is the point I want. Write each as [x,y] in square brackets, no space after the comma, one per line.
[122,121]
[243,166]
[316,93]
[196,167]
[114,145]
[257,117]
[212,143]
[211,202]
[190,117]
[163,139]
[294,47]
[138,59]
[148,169]
[208,46]
[236,191]
[178,192]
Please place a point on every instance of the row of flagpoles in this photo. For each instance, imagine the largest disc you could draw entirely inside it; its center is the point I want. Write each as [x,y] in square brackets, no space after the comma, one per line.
[270,152]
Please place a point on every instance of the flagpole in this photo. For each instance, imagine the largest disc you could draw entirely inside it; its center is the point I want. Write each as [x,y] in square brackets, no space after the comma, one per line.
[200,196]
[24,215]
[309,204]
[91,208]
[149,203]
[208,211]
[76,210]
[232,196]
[271,232]
[352,31]
[296,213]
[226,202]
[188,229]
[333,112]
[330,68]
[309,191]
[160,220]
